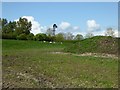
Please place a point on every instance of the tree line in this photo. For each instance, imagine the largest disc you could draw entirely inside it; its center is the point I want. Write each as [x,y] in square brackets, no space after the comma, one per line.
[16,30]
[20,30]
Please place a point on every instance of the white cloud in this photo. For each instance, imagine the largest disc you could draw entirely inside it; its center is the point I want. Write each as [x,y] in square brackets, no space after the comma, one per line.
[43,29]
[67,27]
[102,33]
[64,25]
[99,33]
[82,33]
[76,28]
[92,25]
[117,33]
[36,28]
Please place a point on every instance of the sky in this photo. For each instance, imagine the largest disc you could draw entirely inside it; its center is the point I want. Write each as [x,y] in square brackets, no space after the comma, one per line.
[60,0]
[74,17]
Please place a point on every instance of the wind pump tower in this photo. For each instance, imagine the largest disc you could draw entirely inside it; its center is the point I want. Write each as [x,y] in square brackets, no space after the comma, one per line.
[54,28]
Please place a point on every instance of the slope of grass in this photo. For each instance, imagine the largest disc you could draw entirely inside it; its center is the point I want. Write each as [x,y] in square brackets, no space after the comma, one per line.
[30,64]
[97,44]
[21,44]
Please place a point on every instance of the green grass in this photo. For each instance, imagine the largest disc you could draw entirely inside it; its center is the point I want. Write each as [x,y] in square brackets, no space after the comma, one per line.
[32,64]
[17,44]
[97,44]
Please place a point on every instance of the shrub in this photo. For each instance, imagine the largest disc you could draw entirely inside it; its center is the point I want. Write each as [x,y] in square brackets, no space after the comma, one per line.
[30,36]
[22,37]
[8,36]
[40,37]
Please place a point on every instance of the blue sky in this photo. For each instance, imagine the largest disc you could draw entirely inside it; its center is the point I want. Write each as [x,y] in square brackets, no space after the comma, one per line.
[85,16]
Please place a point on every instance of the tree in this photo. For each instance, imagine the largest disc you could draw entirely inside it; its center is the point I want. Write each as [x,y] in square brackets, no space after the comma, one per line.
[8,35]
[41,37]
[8,29]
[0,24]
[59,37]
[30,36]
[0,28]
[23,26]
[78,37]
[4,22]
[69,36]
[110,32]
[49,31]
[13,30]
[89,35]
[22,36]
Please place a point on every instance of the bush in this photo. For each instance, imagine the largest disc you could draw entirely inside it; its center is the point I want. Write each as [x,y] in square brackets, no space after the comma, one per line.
[59,37]
[40,37]
[30,36]
[8,36]
[22,37]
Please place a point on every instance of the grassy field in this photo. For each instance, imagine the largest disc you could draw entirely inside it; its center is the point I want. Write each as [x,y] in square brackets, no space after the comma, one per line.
[34,64]
[96,44]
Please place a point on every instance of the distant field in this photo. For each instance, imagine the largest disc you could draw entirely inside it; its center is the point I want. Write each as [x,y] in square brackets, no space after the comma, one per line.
[34,64]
